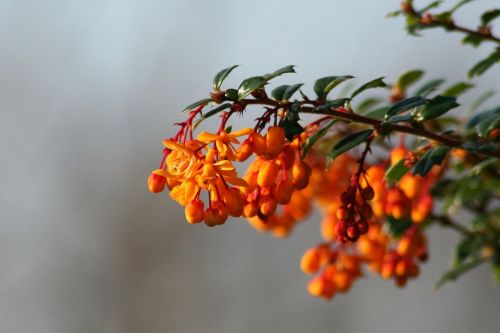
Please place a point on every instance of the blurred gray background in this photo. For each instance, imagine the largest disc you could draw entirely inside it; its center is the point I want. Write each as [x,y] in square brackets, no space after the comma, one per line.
[88,89]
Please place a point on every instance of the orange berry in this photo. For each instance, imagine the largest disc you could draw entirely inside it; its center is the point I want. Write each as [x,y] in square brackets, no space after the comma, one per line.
[216,215]
[401,268]
[172,182]
[194,211]
[275,138]
[387,270]
[404,246]
[156,182]
[267,174]
[342,280]
[321,287]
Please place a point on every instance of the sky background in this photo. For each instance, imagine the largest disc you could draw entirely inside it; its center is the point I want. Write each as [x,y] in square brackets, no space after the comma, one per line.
[88,89]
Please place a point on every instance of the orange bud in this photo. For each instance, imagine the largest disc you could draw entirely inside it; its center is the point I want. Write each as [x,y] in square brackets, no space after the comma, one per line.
[275,138]
[387,270]
[342,281]
[401,268]
[268,206]
[310,262]
[267,174]
[234,201]
[300,174]
[216,215]
[321,287]
[156,182]
[283,191]
[288,156]
[259,143]
[244,152]
[172,182]
[404,246]
[194,211]
[397,154]
[250,209]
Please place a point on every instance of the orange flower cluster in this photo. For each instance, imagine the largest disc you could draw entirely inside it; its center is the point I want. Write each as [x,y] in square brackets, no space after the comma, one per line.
[392,257]
[336,270]
[277,178]
[273,179]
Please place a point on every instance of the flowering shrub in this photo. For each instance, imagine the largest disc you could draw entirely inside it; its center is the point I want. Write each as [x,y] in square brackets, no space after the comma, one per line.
[374,168]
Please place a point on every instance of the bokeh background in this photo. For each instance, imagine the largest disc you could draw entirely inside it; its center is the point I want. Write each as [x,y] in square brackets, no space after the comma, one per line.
[88,89]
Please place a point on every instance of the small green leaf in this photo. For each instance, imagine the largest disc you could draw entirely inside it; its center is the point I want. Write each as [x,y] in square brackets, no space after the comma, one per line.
[489,16]
[324,85]
[398,227]
[405,105]
[436,107]
[409,78]
[315,137]
[283,93]
[396,172]
[457,89]
[469,246]
[378,113]
[211,113]
[194,105]
[484,122]
[347,143]
[377,83]
[479,101]
[281,71]
[335,103]
[430,6]
[460,4]
[367,104]
[473,40]
[434,156]
[221,76]
[458,270]
[484,64]
[429,87]
[250,85]
[484,148]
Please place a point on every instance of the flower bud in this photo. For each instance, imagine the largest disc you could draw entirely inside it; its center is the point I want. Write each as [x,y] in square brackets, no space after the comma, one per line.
[259,143]
[267,174]
[156,182]
[275,138]
[300,174]
[194,211]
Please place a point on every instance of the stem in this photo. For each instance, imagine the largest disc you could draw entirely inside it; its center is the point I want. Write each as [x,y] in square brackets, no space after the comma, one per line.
[377,124]
[445,221]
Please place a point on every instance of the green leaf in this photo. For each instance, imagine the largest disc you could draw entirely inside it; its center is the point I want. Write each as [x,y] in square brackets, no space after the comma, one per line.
[378,113]
[315,137]
[211,113]
[489,16]
[436,107]
[377,83]
[281,71]
[480,167]
[473,40]
[291,123]
[457,89]
[495,264]
[479,101]
[396,172]
[324,85]
[429,87]
[484,64]
[469,246]
[335,103]
[409,78]
[367,104]
[283,93]
[250,85]
[405,105]
[458,270]
[221,76]
[460,4]
[430,6]
[484,148]
[398,227]
[484,122]
[434,156]
[194,105]
[347,143]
